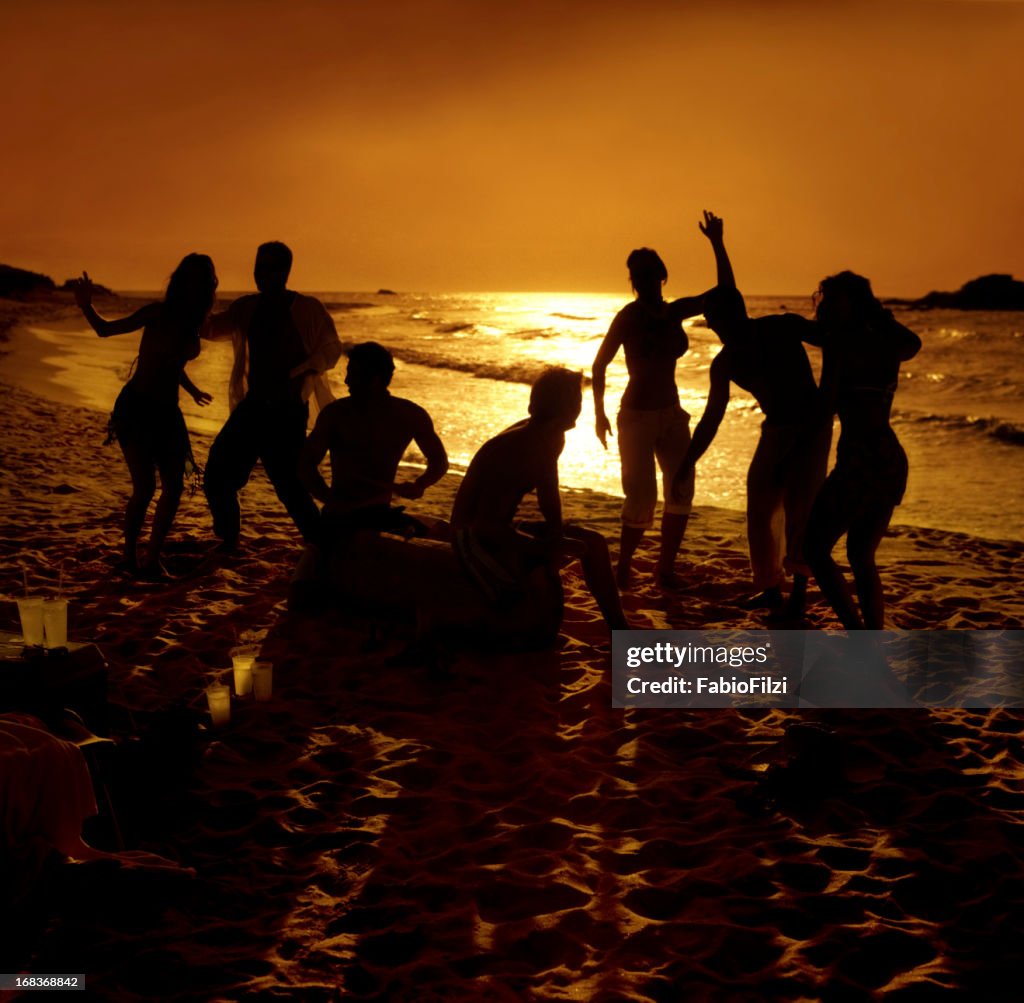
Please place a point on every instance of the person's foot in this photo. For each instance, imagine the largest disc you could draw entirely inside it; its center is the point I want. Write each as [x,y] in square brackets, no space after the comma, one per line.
[666,577]
[153,571]
[126,566]
[227,547]
[783,617]
[794,608]
[768,599]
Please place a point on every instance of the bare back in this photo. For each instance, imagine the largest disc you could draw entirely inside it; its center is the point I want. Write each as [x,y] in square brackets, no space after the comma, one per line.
[367,440]
[652,339]
[504,470]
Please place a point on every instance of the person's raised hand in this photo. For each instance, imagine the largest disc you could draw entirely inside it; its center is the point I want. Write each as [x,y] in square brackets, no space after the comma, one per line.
[712,226]
[82,289]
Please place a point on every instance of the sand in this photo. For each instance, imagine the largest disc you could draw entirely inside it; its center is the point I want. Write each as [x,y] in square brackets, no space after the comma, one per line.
[501,833]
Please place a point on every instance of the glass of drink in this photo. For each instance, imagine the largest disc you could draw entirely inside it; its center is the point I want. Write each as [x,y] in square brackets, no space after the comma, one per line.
[263,680]
[218,696]
[242,660]
[55,623]
[30,609]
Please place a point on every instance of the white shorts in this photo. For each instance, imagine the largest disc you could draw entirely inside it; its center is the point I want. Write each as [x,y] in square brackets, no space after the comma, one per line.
[645,437]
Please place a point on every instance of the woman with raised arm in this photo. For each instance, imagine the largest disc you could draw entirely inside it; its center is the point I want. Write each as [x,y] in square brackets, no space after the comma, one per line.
[651,424]
[862,348]
[146,420]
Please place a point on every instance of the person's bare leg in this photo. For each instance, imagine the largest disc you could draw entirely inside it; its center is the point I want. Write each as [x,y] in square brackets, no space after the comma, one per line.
[143,487]
[628,542]
[765,520]
[592,550]
[826,525]
[797,602]
[673,529]
[861,546]
[172,477]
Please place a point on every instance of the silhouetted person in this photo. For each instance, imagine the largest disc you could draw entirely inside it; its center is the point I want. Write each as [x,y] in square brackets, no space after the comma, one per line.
[284,342]
[862,348]
[500,554]
[651,424]
[766,357]
[146,420]
[366,434]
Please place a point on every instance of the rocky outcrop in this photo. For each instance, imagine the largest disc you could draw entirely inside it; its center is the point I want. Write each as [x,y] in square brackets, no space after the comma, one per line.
[18,281]
[988,292]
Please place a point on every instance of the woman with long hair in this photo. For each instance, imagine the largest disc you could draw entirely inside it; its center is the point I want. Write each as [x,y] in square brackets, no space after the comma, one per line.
[146,420]
[862,348]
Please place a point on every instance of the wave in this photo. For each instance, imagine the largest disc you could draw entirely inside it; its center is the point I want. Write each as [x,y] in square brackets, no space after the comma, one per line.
[523,371]
[996,428]
[453,328]
[340,306]
[572,316]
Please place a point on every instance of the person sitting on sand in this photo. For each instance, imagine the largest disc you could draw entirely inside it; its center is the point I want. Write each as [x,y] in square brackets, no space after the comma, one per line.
[651,424]
[284,342]
[499,554]
[766,357]
[146,420]
[366,434]
[862,348]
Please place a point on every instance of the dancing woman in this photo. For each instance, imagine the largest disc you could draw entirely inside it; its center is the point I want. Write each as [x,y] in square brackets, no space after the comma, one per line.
[862,348]
[651,424]
[146,420]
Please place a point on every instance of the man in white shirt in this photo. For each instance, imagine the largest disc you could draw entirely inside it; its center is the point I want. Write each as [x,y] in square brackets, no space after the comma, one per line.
[284,344]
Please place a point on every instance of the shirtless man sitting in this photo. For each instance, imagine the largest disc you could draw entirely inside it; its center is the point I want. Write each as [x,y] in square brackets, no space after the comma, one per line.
[367,433]
[500,555]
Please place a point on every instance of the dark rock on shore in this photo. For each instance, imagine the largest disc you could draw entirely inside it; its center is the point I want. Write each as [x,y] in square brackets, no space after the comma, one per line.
[19,281]
[68,285]
[988,292]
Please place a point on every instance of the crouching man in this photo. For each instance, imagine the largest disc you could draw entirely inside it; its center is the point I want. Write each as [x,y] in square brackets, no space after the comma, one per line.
[514,563]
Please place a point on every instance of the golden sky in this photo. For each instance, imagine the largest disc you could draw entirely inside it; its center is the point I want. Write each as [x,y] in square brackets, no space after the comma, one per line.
[459,145]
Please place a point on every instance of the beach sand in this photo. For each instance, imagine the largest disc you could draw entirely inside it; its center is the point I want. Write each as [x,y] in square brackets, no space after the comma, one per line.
[501,833]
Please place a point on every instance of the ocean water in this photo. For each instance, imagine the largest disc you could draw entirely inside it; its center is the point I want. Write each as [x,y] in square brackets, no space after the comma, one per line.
[469,359]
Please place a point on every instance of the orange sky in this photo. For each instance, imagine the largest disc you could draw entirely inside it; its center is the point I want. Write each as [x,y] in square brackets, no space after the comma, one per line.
[431,145]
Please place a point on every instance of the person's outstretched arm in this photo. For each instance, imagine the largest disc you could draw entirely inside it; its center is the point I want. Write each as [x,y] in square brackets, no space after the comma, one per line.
[608,350]
[83,289]
[432,448]
[714,229]
[222,324]
[313,452]
[201,397]
[707,427]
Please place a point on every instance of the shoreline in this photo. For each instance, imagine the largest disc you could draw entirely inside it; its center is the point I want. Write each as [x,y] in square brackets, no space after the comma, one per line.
[58,309]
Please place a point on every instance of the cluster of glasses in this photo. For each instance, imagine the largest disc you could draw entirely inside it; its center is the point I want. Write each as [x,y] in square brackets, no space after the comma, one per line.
[44,622]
